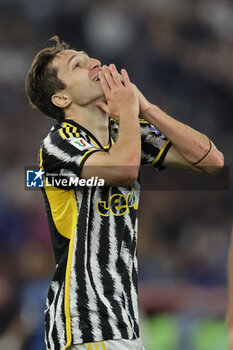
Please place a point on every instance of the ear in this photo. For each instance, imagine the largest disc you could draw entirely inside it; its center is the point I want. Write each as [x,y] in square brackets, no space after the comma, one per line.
[61,100]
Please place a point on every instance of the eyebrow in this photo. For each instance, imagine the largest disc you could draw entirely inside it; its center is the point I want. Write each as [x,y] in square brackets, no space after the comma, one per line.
[75,55]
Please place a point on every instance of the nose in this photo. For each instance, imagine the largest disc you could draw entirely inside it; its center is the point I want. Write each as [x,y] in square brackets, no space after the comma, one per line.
[93,63]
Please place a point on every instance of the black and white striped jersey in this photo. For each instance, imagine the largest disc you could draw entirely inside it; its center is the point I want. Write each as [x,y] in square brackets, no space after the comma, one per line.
[93,293]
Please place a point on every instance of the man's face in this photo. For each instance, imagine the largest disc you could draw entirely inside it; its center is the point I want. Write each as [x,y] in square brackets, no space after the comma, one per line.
[80,73]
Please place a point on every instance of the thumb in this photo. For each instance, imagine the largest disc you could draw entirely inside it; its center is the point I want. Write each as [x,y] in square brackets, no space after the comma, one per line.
[103,106]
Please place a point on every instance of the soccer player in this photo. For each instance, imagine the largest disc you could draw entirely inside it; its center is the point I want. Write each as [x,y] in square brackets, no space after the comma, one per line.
[92,300]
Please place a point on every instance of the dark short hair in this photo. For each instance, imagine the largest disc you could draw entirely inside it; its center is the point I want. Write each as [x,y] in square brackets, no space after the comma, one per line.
[42,81]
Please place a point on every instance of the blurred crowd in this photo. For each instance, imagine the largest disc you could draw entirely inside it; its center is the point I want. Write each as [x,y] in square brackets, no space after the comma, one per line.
[180,54]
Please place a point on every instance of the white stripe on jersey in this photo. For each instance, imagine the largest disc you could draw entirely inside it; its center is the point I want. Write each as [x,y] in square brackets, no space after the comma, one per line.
[55,151]
[55,288]
[75,321]
[67,173]
[59,321]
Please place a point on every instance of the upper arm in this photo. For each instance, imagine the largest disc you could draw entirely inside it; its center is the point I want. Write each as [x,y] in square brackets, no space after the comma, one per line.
[102,165]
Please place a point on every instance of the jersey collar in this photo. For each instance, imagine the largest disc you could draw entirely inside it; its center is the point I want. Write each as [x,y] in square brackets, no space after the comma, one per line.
[72,122]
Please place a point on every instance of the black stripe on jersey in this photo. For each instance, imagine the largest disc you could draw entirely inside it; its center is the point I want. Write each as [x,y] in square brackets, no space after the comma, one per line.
[65,133]
[135,283]
[55,337]
[61,318]
[71,131]
[47,326]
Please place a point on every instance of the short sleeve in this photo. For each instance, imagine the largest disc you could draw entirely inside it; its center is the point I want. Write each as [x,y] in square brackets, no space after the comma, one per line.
[154,145]
[63,157]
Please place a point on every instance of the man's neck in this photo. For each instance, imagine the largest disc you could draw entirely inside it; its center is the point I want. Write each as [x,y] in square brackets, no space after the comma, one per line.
[93,119]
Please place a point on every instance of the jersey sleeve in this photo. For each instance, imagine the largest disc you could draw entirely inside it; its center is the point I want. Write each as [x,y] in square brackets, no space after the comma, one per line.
[154,145]
[62,158]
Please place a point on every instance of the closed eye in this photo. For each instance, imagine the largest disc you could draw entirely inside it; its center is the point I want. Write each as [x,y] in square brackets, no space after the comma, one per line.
[77,65]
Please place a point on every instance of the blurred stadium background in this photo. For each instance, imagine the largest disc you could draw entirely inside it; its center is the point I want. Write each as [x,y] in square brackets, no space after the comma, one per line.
[180,54]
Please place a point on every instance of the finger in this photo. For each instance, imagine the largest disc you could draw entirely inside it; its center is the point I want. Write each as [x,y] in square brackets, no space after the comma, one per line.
[103,106]
[108,77]
[125,77]
[104,84]
[116,75]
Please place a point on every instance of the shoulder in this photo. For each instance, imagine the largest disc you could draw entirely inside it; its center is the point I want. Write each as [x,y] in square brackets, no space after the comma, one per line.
[60,134]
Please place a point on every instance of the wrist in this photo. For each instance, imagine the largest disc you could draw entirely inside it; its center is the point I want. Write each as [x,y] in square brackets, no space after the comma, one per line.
[149,109]
[151,106]
[128,115]
[144,104]
[146,107]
